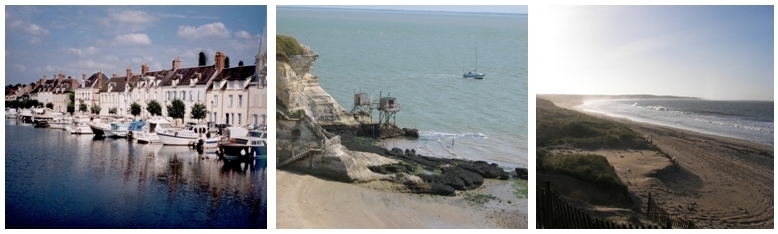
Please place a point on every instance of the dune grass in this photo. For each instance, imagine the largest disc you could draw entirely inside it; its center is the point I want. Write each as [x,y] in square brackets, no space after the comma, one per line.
[591,168]
[562,127]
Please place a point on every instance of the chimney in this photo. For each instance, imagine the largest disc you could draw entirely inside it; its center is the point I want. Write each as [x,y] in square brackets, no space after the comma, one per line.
[114,75]
[100,79]
[144,69]
[219,61]
[129,74]
[176,64]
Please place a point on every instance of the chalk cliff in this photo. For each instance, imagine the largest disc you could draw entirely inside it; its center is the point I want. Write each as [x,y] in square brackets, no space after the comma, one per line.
[298,89]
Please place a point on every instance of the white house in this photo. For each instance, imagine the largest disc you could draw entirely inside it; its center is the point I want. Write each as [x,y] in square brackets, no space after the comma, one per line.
[88,93]
[189,85]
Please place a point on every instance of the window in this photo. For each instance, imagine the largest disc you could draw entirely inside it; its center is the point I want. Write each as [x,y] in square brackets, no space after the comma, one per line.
[167,95]
[229,103]
[183,95]
[174,95]
[233,118]
[215,100]
[198,96]
[256,119]
[232,84]
[240,100]
[214,116]
[227,118]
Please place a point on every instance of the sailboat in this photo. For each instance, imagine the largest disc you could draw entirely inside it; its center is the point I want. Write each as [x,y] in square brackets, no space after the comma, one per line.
[474,73]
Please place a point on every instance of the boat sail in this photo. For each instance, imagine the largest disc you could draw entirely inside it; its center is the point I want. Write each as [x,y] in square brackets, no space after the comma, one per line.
[474,73]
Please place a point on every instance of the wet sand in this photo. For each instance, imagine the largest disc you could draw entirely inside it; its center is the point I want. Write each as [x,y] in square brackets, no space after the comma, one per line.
[306,201]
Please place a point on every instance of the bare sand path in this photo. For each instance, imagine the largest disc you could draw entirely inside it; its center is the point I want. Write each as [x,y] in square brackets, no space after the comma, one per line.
[305,201]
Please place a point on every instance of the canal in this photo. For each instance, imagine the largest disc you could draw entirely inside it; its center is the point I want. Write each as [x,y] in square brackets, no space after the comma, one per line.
[57,180]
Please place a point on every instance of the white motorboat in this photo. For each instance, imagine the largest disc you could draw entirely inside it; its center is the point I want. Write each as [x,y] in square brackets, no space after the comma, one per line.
[99,126]
[118,130]
[11,113]
[80,125]
[59,121]
[148,134]
[26,116]
[240,143]
[187,136]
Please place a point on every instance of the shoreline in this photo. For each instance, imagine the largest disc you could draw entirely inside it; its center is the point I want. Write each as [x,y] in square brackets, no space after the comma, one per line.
[307,201]
[717,182]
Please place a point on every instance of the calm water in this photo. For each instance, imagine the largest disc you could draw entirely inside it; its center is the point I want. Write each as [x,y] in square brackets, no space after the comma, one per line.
[419,58]
[57,180]
[748,120]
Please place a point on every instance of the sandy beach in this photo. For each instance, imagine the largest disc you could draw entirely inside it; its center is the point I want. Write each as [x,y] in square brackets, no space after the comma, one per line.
[717,182]
[306,201]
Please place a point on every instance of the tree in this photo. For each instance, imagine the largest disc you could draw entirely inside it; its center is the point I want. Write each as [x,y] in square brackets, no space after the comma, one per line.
[202,60]
[95,109]
[32,84]
[227,62]
[72,103]
[50,105]
[71,108]
[176,109]
[135,109]
[82,107]
[112,110]
[240,63]
[198,111]
[39,104]
[154,108]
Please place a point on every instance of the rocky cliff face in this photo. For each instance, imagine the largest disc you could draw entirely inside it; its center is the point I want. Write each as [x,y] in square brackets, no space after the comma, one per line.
[298,89]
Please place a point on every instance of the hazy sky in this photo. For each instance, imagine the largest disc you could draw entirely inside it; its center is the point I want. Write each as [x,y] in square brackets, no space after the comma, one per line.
[44,40]
[712,52]
[490,9]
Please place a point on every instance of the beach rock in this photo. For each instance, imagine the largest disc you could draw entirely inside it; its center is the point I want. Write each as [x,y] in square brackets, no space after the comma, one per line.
[522,171]
[524,177]
[469,179]
[439,189]
[483,168]
[504,176]
[411,132]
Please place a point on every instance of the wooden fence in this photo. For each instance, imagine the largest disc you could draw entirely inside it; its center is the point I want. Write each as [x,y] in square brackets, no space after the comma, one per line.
[656,213]
[553,212]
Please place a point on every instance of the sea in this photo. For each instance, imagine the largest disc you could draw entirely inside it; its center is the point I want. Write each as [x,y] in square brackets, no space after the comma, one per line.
[419,58]
[57,180]
[746,120]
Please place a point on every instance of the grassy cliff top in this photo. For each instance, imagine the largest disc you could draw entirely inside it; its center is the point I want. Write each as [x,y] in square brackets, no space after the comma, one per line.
[287,45]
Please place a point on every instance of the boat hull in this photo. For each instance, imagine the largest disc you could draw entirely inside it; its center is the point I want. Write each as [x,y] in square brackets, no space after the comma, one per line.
[81,130]
[171,139]
[243,150]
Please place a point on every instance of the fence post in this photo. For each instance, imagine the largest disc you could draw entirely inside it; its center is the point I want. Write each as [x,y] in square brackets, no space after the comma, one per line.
[648,205]
[549,209]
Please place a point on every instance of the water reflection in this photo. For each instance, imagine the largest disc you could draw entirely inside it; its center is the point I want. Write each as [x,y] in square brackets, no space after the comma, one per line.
[113,183]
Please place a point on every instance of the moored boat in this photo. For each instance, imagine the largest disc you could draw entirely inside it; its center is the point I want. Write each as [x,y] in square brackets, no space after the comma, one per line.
[239,143]
[118,130]
[148,134]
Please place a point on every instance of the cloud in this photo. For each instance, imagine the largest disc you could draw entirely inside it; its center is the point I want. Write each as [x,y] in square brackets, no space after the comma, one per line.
[243,34]
[34,29]
[81,53]
[132,39]
[134,17]
[35,40]
[91,64]
[214,30]
[19,67]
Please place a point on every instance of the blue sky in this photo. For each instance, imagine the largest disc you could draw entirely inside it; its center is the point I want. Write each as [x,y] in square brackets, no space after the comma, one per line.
[712,52]
[44,40]
[480,9]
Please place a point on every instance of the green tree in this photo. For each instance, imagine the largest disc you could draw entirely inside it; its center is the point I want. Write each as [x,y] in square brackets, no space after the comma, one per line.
[154,108]
[227,62]
[72,103]
[50,105]
[95,109]
[240,63]
[176,109]
[39,104]
[82,107]
[198,111]
[202,60]
[135,109]
[112,110]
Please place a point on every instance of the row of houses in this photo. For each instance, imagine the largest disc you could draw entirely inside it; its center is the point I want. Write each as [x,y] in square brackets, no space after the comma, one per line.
[235,95]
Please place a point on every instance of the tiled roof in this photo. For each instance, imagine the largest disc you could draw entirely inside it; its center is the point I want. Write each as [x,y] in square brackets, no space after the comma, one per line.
[188,73]
[114,84]
[236,73]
